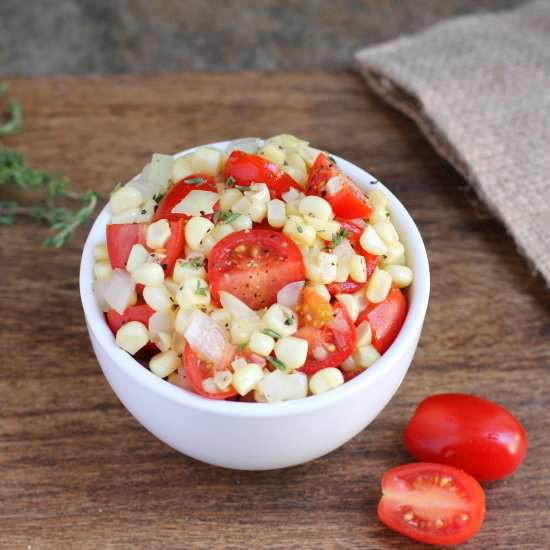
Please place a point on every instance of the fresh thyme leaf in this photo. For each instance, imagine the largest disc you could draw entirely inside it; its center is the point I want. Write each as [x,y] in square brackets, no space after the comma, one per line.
[332,159]
[272,333]
[228,217]
[230,181]
[241,346]
[242,187]
[196,263]
[195,181]
[201,290]
[338,237]
[276,363]
[216,216]
[158,197]
[289,319]
[300,229]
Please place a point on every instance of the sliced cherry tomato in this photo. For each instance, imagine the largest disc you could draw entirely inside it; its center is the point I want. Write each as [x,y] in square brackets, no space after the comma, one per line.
[120,239]
[432,503]
[314,310]
[354,234]
[139,312]
[337,338]
[197,371]
[347,200]
[254,265]
[385,318]
[174,246]
[347,287]
[246,169]
[469,432]
[194,182]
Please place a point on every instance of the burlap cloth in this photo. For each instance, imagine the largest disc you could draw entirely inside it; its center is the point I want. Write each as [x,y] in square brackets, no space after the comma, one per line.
[479,88]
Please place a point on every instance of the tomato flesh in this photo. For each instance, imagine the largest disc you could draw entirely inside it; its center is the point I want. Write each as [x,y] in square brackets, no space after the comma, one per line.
[197,371]
[349,201]
[247,168]
[385,318]
[469,432]
[337,338]
[432,503]
[254,265]
[179,191]
[347,287]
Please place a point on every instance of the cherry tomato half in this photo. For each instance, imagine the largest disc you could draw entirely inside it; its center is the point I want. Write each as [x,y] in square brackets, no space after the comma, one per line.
[337,338]
[347,201]
[247,168]
[254,265]
[385,318]
[469,432]
[432,503]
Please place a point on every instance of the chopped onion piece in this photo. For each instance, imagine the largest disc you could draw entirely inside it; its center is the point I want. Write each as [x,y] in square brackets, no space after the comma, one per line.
[118,290]
[238,309]
[290,294]
[345,252]
[98,288]
[248,145]
[197,203]
[161,321]
[205,337]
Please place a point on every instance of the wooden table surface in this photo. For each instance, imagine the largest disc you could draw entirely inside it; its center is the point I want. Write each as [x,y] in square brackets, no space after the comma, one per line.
[77,471]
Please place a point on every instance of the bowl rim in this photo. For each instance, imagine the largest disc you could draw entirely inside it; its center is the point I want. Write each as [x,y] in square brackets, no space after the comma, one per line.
[418,303]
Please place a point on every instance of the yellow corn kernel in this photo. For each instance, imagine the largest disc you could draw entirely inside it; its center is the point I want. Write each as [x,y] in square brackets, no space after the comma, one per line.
[301,233]
[273,153]
[315,207]
[348,365]
[132,215]
[196,230]
[223,318]
[241,330]
[242,222]
[223,379]
[386,231]
[296,174]
[183,318]
[189,267]
[276,213]
[164,363]
[351,305]
[221,231]
[377,198]
[358,268]
[193,292]
[163,341]
[229,198]
[257,211]
[181,168]
[101,252]
[401,275]
[364,334]
[291,351]
[281,319]
[158,298]
[365,356]
[132,336]
[102,269]
[294,159]
[342,272]
[378,286]
[207,160]
[321,267]
[138,256]
[394,254]
[241,206]
[371,242]
[126,198]
[157,234]
[325,380]
[259,192]
[246,378]
[148,274]
[261,343]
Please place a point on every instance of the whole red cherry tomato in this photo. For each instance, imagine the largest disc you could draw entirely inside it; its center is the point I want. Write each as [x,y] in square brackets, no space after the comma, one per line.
[469,432]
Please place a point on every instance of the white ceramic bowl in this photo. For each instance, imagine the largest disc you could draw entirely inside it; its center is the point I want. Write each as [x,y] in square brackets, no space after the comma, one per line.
[256,436]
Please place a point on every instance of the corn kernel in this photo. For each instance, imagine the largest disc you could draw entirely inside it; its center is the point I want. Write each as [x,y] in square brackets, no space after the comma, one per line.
[246,378]
[294,159]
[183,318]
[223,379]
[322,291]
[364,334]
[229,198]
[148,274]
[196,230]
[394,254]
[223,319]
[321,267]
[351,305]
[386,231]
[241,330]
[371,242]
[325,380]
[315,207]
[401,275]
[365,356]
[257,211]
[377,198]
[259,192]
[132,336]
[281,319]
[163,341]
[358,268]
[276,213]
[261,343]
[299,176]
[221,231]
[190,267]
[132,215]
[138,256]
[126,198]
[157,234]
[206,160]
[378,286]
[342,272]
[181,168]
[327,230]
[102,269]
[101,252]
[296,228]
[273,153]
[158,298]
[291,351]
[242,222]
[164,363]
[193,292]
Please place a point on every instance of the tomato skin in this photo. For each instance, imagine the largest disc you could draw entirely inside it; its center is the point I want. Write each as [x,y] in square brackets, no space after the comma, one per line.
[347,287]
[196,371]
[178,192]
[120,239]
[255,281]
[247,168]
[427,493]
[175,245]
[349,201]
[469,432]
[139,312]
[385,318]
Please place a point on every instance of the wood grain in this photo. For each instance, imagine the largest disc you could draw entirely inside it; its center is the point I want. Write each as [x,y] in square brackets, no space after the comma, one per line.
[77,471]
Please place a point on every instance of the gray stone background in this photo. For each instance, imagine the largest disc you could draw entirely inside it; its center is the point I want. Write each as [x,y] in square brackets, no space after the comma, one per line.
[102,36]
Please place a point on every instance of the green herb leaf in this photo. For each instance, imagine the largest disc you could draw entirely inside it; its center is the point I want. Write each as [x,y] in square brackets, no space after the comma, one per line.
[338,237]
[196,263]
[272,333]
[332,159]
[158,197]
[300,229]
[230,181]
[276,363]
[241,346]
[195,181]
[225,217]
[289,319]
[201,290]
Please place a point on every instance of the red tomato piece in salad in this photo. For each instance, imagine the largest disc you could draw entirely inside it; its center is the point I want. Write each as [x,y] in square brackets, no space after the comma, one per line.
[468,432]
[346,199]
[138,312]
[347,287]
[354,234]
[432,503]
[331,344]
[194,182]
[254,265]
[385,318]
[197,371]
[246,169]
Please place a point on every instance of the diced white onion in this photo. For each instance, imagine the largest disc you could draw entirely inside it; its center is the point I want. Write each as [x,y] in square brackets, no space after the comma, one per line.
[238,309]
[290,294]
[161,321]
[248,145]
[205,337]
[118,290]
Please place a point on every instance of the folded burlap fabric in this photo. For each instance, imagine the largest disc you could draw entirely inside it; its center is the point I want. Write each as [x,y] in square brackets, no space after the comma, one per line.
[479,88]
